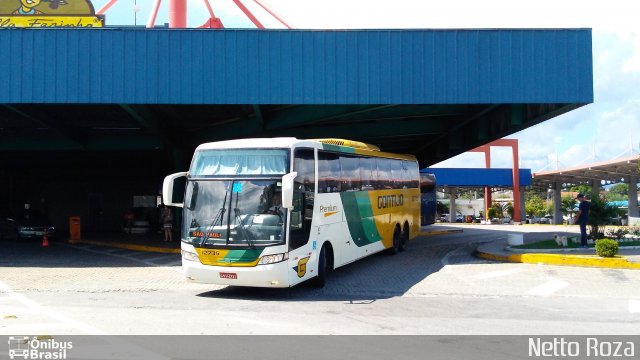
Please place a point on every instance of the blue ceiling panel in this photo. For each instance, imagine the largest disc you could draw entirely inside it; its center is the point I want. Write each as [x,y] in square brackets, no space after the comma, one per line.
[197,66]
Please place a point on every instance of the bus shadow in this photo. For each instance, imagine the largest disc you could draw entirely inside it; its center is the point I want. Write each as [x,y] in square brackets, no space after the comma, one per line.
[376,277]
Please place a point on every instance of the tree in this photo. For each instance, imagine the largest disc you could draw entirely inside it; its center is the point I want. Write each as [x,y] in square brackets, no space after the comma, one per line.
[534,206]
[533,192]
[618,192]
[442,208]
[508,208]
[599,214]
[548,207]
[470,195]
[582,189]
[568,205]
[494,213]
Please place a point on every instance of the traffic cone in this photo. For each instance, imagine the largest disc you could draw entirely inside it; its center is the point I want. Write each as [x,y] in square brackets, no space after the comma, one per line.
[45,239]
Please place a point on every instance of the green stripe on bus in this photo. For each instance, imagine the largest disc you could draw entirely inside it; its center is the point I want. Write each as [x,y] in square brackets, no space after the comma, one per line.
[360,219]
[242,255]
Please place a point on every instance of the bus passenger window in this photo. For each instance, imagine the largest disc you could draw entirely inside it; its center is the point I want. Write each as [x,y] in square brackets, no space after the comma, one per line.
[368,173]
[350,173]
[384,174]
[413,173]
[396,174]
[328,172]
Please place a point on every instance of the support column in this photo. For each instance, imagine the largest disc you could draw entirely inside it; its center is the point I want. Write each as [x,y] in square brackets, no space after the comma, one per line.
[487,189]
[633,196]
[557,202]
[452,205]
[487,203]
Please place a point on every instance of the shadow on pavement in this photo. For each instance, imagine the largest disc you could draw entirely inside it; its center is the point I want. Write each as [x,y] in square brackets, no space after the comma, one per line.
[382,277]
[59,254]
[376,277]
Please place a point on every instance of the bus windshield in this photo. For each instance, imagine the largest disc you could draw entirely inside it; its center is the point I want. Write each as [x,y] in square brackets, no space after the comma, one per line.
[234,213]
[234,162]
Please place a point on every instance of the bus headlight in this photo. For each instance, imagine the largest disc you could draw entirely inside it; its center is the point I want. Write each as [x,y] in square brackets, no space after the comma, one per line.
[272,259]
[190,256]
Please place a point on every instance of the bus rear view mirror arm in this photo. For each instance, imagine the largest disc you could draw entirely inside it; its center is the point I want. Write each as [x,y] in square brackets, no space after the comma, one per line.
[288,184]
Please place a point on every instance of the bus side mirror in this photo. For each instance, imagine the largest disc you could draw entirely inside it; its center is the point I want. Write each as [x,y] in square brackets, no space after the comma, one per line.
[287,190]
[173,189]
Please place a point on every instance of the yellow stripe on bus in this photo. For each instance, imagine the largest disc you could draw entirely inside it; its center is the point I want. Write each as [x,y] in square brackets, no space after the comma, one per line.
[391,207]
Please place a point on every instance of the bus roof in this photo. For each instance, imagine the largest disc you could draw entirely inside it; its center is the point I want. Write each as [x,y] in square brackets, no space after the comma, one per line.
[290,142]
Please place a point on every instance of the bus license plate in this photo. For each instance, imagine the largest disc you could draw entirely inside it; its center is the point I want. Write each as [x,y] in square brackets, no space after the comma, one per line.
[228,275]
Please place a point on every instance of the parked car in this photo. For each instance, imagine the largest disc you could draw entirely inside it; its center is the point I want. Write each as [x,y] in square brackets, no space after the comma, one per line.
[547,219]
[32,225]
[532,219]
[140,220]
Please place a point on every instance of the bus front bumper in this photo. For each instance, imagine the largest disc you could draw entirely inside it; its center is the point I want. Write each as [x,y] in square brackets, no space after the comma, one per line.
[274,275]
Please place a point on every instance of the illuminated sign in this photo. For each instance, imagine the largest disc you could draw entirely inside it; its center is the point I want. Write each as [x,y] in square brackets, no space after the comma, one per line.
[48,14]
[201,234]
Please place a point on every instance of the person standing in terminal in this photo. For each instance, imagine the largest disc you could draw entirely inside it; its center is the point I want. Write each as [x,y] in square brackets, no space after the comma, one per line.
[582,219]
[166,219]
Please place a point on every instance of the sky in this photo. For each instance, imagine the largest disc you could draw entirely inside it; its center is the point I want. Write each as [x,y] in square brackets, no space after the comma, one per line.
[604,130]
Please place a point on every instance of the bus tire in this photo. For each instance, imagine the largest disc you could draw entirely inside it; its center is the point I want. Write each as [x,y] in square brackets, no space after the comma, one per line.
[404,237]
[395,247]
[321,279]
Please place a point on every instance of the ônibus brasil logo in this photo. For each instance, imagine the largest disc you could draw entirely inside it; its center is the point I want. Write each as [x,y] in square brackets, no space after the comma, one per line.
[25,347]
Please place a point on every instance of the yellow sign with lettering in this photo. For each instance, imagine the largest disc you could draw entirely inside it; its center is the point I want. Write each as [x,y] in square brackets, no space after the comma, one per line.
[48,14]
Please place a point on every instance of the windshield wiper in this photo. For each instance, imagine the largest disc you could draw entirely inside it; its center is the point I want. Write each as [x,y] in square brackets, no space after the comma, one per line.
[242,230]
[219,216]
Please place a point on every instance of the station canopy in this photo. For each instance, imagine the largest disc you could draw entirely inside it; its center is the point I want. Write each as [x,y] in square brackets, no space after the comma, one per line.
[431,93]
[612,172]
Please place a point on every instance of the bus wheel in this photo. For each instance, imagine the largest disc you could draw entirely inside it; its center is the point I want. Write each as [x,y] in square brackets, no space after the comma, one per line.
[321,279]
[395,248]
[404,237]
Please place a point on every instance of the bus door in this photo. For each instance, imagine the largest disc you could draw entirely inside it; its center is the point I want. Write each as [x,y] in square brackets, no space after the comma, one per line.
[302,254]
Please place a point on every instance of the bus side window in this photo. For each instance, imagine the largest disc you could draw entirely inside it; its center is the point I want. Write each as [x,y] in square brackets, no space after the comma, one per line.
[406,177]
[328,172]
[414,174]
[385,179]
[350,173]
[368,173]
[303,198]
[396,174]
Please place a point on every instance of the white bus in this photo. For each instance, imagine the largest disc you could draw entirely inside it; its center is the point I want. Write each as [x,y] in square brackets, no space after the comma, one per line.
[276,212]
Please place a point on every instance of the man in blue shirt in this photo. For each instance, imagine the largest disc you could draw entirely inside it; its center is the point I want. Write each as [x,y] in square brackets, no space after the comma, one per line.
[582,219]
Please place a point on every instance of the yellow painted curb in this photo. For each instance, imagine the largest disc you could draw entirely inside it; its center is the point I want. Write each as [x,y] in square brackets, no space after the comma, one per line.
[618,262]
[439,232]
[126,246]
